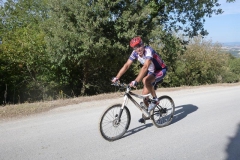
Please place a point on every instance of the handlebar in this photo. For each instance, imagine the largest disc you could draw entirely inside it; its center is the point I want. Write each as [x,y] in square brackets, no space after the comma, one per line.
[122,85]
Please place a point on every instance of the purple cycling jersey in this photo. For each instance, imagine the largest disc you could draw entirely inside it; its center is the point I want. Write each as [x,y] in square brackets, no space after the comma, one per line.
[156,64]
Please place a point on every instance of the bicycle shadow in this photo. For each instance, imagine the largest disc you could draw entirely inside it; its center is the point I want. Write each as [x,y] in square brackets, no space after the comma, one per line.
[182,112]
[137,129]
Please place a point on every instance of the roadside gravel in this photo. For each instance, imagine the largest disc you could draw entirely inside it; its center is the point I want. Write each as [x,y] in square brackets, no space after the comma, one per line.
[27,109]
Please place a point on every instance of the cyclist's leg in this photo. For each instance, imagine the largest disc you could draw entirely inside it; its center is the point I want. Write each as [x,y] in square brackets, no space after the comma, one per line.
[151,78]
[147,83]
[145,91]
[148,87]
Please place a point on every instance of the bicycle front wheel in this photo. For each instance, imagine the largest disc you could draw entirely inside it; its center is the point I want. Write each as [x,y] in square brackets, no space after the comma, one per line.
[111,128]
[162,114]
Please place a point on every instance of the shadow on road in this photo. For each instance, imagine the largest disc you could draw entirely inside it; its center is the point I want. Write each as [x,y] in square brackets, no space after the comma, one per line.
[137,129]
[233,148]
[182,111]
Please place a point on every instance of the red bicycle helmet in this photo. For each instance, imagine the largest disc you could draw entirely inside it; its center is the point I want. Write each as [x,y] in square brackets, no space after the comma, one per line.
[135,41]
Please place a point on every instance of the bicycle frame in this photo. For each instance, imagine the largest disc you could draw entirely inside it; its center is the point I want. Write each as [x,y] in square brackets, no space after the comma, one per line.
[113,126]
[127,96]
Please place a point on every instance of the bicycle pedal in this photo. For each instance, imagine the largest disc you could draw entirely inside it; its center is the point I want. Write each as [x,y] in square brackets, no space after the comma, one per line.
[142,120]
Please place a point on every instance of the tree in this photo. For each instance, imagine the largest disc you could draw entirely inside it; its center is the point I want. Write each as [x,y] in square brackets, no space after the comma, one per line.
[232,73]
[23,54]
[83,43]
[84,35]
[202,63]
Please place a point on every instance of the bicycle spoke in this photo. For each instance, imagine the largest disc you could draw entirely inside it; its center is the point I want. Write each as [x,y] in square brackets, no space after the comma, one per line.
[163,112]
[110,127]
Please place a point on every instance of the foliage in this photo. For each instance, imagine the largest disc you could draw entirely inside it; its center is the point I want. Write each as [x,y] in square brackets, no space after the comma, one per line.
[24,61]
[62,48]
[202,63]
[232,73]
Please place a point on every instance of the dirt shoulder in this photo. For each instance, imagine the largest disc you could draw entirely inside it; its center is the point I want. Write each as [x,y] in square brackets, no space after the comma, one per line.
[26,109]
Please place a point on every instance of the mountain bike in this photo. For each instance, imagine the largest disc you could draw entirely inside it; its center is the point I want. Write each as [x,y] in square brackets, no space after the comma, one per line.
[115,120]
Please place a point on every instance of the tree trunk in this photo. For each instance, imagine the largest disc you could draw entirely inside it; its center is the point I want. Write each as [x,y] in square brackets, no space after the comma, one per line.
[85,77]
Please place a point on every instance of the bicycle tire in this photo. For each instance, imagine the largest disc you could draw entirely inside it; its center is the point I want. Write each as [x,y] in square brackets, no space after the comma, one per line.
[162,114]
[108,127]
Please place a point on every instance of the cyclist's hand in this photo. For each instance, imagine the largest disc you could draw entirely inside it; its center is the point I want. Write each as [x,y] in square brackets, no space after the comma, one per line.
[133,84]
[114,79]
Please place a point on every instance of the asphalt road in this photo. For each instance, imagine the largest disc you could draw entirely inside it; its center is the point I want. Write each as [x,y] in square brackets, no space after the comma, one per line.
[206,126]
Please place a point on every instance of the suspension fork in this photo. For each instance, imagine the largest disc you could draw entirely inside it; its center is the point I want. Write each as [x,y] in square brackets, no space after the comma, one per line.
[125,100]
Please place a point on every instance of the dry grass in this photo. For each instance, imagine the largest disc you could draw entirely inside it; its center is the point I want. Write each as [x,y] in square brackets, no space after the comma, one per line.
[26,109]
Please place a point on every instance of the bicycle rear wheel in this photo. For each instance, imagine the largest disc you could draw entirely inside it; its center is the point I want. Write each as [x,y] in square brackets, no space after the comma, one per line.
[110,128]
[162,114]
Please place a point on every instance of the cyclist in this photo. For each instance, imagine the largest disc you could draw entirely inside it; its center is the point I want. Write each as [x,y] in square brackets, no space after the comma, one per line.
[152,71]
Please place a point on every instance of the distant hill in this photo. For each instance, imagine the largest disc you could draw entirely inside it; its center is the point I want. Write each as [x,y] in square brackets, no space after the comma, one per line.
[232,47]
[231,44]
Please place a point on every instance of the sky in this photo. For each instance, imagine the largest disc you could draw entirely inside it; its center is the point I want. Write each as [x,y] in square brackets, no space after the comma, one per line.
[225,28]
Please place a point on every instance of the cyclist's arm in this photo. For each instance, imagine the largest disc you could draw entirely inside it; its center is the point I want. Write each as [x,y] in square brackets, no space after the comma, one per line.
[143,70]
[124,68]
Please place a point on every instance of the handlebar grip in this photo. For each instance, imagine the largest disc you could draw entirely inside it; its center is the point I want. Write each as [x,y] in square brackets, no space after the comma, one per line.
[118,84]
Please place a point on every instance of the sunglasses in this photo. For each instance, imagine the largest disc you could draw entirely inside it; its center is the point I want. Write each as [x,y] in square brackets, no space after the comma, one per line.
[137,46]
